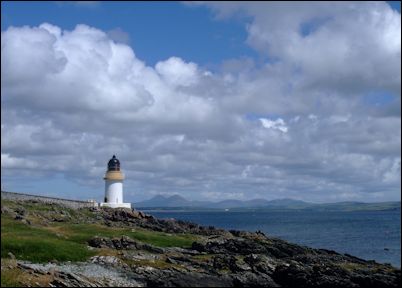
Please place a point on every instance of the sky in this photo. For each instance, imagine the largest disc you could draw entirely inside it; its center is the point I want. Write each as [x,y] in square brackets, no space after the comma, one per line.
[208,100]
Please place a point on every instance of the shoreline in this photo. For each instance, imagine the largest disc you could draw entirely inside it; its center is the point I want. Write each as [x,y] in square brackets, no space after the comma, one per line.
[147,251]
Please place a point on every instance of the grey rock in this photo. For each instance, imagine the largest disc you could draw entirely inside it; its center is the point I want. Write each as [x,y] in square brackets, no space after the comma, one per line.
[173,278]
[248,279]
[217,258]
[11,255]
[170,260]
[182,251]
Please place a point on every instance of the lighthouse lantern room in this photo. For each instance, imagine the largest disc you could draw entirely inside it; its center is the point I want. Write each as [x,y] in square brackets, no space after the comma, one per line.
[114,185]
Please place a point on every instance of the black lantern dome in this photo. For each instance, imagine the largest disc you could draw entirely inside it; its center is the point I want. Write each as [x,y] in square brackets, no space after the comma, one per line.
[114,164]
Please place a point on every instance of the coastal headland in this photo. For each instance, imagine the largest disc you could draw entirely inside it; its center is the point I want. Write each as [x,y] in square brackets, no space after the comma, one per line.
[56,245]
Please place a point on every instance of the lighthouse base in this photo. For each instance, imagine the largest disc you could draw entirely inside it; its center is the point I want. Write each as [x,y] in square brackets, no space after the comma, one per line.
[116,205]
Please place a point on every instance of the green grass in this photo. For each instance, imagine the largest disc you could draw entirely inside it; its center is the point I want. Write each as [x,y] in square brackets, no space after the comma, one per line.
[37,244]
[32,206]
[68,242]
[44,250]
[164,240]
[157,263]
[81,233]
[8,203]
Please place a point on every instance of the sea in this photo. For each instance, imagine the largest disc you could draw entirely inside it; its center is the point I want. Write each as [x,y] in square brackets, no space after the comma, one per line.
[370,235]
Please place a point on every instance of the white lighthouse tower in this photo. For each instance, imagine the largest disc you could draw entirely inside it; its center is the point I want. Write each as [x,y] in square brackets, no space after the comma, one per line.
[114,185]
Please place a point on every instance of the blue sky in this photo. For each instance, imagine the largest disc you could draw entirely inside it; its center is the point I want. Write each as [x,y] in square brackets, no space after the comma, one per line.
[156,31]
[221,100]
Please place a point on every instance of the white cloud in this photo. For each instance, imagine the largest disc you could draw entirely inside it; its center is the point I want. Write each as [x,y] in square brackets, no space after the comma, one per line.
[176,72]
[214,195]
[351,47]
[393,175]
[17,163]
[312,117]
[71,99]
[277,124]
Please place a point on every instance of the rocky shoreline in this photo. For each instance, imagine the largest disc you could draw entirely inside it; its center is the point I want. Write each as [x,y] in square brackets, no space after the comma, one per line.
[218,258]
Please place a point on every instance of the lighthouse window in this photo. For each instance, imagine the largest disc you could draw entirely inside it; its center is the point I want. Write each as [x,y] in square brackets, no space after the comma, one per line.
[114,164]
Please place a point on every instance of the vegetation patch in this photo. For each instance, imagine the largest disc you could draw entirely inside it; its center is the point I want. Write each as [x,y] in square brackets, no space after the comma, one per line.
[10,278]
[350,266]
[155,263]
[203,258]
[68,242]
[163,239]
[15,277]
[81,233]
[38,244]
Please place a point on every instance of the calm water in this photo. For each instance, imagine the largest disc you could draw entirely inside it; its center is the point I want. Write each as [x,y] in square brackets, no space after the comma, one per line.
[362,234]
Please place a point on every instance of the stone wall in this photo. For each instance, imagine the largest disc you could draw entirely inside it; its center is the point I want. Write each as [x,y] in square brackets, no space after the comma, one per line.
[74,204]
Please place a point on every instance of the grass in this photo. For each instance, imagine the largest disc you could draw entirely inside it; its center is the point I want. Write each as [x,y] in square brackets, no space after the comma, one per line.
[204,258]
[44,250]
[350,266]
[155,263]
[35,206]
[9,278]
[81,233]
[9,273]
[14,277]
[163,239]
[37,244]
[68,242]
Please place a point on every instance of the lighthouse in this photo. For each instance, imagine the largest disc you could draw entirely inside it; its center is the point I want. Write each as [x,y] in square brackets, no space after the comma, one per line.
[114,185]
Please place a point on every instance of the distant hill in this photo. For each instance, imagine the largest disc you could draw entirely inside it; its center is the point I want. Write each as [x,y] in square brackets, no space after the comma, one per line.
[177,201]
[171,201]
[357,206]
[260,203]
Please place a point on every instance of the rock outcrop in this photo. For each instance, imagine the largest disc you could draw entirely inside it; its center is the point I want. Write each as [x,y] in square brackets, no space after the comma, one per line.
[217,258]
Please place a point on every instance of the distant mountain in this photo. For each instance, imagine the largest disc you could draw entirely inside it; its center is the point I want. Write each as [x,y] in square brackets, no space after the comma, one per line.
[357,206]
[258,203]
[171,201]
[288,204]
[177,201]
